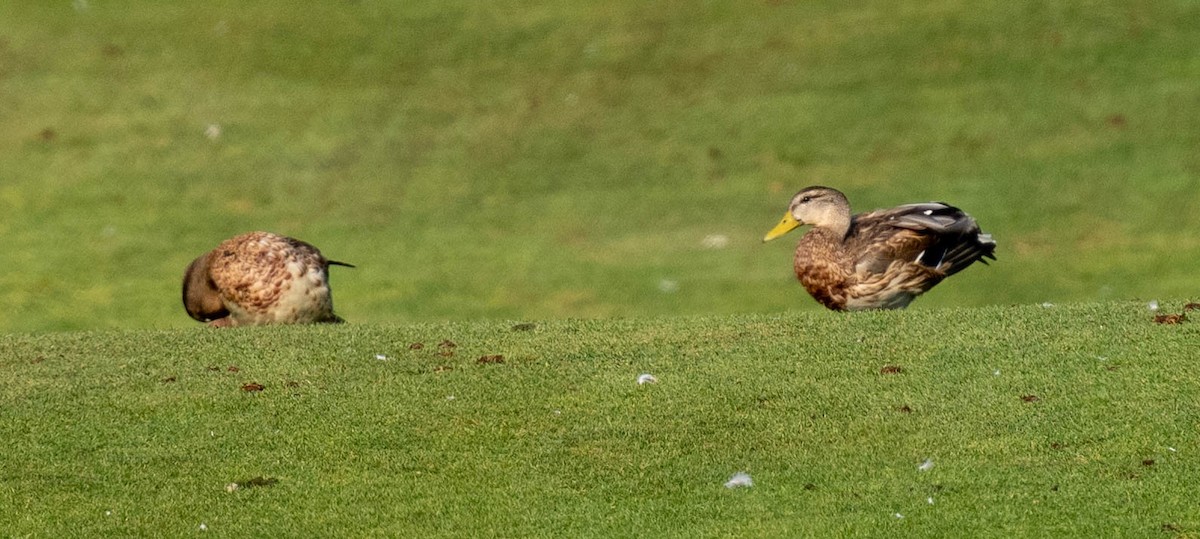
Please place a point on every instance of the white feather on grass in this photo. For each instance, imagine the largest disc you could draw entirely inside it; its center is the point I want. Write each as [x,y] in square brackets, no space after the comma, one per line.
[740,479]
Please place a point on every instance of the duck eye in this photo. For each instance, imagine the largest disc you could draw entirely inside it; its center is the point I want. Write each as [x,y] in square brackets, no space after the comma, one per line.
[805,199]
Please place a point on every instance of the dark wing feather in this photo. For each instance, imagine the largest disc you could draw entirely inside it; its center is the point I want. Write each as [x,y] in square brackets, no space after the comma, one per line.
[933,234]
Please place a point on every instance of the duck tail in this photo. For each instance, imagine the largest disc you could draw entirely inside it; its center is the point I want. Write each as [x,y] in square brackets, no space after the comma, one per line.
[968,251]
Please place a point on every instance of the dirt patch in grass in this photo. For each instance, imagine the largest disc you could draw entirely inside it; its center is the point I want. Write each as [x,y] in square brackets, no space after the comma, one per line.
[493,359]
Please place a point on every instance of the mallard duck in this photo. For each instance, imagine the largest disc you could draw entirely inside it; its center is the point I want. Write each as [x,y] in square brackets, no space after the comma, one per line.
[882,259]
[260,278]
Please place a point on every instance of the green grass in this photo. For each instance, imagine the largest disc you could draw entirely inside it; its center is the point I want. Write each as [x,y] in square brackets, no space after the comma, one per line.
[558,159]
[137,433]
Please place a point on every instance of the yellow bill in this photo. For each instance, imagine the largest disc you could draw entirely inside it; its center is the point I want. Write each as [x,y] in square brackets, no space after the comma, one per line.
[784,226]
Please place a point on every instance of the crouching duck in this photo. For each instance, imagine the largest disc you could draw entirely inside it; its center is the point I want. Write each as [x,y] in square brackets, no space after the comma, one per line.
[881,259]
[260,278]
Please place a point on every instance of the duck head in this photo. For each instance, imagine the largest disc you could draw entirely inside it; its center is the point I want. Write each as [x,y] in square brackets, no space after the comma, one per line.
[821,207]
[200,295]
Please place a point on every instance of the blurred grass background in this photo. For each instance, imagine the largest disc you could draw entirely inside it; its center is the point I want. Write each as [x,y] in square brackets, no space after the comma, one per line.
[557,158]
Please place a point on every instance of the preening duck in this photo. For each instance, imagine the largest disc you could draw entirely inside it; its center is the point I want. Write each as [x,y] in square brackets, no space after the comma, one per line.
[260,278]
[881,259]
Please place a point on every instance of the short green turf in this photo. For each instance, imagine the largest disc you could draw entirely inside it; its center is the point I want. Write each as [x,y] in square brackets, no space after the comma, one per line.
[1071,420]
[560,159]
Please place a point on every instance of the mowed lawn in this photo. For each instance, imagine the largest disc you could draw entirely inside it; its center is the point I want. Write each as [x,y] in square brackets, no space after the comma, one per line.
[1068,420]
[546,201]
[563,159]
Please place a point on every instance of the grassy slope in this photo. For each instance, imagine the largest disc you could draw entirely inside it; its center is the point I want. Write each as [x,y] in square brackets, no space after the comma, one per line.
[562,159]
[121,433]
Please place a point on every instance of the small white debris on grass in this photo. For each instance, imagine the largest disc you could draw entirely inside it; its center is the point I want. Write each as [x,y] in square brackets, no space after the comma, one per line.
[926,466]
[740,479]
[715,241]
[930,500]
[646,378]
[1171,449]
[231,487]
[558,412]
[668,286]
[1153,305]
[213,131]
[449,397]
[108,513]
[897,515]
[996,372]
[203,527]
[1047,305]
[381,357]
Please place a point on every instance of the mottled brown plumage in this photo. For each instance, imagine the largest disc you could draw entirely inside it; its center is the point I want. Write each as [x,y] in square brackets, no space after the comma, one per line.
[260,278]
[882,259]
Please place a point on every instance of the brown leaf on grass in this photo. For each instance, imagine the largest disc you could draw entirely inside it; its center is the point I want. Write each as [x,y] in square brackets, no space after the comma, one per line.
[490,360]
[906,409]
[1030,398]
[416,346]
[1056,445]
[233,368]
[1118,120]
[1169,319]
[891,369]
[168,379]
[1148,462]
[443,368]
[1191,307]
[252,387]
[1171,528]
[213,368]
[446,348]
[524,327]
[37,360]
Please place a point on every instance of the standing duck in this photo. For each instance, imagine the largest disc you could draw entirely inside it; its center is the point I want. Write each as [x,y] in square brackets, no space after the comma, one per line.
[260,278]
[881,259]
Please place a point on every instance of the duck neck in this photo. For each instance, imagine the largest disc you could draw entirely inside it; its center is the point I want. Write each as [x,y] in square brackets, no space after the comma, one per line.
[839,225]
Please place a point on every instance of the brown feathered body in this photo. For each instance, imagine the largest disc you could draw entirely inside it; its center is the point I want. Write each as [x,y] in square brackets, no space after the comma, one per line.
[881,259]
[260,278]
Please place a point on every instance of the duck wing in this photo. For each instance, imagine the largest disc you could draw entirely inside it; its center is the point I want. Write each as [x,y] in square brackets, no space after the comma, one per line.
[934,235]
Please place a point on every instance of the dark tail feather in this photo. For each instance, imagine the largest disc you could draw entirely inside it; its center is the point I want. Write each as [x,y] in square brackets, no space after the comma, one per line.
[964,254]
